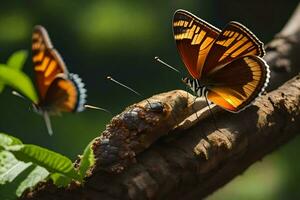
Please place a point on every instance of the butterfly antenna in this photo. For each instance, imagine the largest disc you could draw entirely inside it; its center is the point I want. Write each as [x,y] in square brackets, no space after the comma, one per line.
[129,88]
[96,108]
[166,64]
[48,123]
[212,114]
[125,86]
[18,95]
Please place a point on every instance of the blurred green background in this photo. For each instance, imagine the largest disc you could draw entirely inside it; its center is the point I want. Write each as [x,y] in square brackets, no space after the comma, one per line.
[120,38]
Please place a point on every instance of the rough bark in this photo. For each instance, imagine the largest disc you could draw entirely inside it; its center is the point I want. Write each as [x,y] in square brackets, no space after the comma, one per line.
[144,154]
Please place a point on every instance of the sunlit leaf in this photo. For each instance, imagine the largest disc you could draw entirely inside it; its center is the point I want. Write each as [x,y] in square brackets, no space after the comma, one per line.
[17,59]
[36,175]
[52,161]
[19,81]
[87,160]
[60,180]
[9,190]
[10,167]
[17,172]
[7,140]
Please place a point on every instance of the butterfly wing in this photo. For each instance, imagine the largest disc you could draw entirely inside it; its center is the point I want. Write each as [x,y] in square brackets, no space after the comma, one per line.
[65,95]
[60,91]
[47,61]
[237,84]
[234,41]
[194,38]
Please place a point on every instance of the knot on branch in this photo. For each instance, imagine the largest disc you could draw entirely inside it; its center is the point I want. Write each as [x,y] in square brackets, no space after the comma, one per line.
[214,143]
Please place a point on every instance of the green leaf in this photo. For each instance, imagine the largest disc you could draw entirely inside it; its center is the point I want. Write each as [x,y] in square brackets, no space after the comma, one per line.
[7,140]
[13,172]
[60,180]
[35,176]
[87,160]
[19,81]
[52,161]
[8,191]
[10,167]
[17,59]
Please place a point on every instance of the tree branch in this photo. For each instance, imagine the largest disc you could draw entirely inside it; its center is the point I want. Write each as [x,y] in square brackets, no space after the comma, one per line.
[153,151]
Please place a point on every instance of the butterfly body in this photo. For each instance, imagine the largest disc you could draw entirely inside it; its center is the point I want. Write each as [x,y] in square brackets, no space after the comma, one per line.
[59,91]
[226,65]
[196,86]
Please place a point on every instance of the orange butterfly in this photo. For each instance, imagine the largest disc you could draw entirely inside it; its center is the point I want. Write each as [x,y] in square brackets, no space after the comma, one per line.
[226,65]
[59,90]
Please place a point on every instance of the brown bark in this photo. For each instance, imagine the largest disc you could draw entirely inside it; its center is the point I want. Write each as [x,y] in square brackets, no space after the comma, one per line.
[141,156]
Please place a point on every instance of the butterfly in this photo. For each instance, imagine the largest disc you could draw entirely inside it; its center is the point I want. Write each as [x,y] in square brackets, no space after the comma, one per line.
[226,65]
[59,91]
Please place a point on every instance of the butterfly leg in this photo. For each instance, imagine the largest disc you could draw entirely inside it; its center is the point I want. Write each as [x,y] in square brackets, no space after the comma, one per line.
[187,93]
[48,122]
[212,114]
[195,110]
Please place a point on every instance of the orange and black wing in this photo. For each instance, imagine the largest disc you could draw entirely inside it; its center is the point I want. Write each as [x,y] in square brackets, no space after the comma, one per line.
[65,95]
[234,41]
[47,61]
[194,38]
[237,84]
